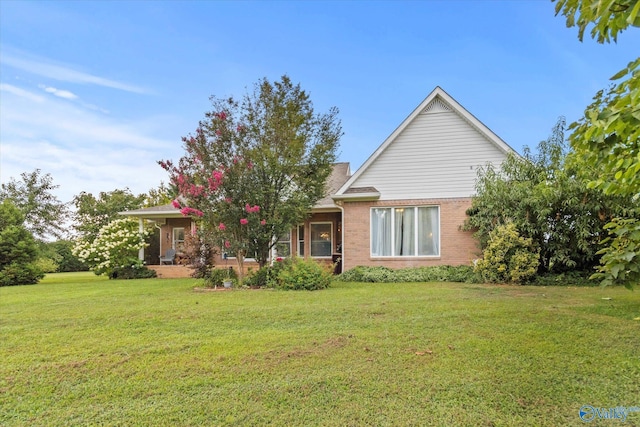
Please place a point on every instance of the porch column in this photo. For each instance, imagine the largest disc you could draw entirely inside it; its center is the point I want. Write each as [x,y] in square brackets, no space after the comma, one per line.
[141,229]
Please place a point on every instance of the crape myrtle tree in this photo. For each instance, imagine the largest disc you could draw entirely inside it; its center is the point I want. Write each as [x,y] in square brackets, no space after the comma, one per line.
[607,138]
[255,167]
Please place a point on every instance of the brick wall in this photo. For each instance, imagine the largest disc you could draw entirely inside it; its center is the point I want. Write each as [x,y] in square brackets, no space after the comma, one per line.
[457,247]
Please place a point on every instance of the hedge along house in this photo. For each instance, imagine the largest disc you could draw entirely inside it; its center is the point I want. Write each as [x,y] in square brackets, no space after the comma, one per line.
[403,207]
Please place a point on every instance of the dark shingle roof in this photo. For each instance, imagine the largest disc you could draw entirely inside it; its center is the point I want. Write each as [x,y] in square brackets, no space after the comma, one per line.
[358,190]
[339,175]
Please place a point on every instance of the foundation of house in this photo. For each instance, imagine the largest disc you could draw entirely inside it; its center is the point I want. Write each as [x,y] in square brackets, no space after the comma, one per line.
[171,271]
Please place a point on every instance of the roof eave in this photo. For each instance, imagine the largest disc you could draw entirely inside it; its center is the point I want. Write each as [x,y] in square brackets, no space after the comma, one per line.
[152,215]
[357,196]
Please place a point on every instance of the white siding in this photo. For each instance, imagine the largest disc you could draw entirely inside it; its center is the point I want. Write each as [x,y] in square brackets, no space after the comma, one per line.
[436,156]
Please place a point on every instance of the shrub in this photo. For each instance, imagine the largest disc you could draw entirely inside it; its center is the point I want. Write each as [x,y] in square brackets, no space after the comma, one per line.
[302,274]
[216,276]
[440,273]
[266,276]
[20,274]
[47,265]
[200,254]
[508,257]
[135,271]
[18,249]
[116,246]
[569,278]
[368,274]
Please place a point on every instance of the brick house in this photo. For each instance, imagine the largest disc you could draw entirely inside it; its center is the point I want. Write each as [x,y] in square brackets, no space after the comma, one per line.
[403,207]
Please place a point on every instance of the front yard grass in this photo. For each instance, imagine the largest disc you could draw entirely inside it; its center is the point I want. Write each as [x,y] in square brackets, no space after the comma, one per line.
[80,350]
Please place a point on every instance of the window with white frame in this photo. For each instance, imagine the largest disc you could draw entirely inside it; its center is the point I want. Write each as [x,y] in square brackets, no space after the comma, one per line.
[283,245]
[321,239]
[178,238]
[405,231]
[301,240]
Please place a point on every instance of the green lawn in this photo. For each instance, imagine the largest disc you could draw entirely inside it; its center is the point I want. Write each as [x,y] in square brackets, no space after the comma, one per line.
[80,350]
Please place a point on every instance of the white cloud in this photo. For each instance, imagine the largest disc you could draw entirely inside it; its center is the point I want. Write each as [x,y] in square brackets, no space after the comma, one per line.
[14,90]
[82,149]
[59,92]
[46,68]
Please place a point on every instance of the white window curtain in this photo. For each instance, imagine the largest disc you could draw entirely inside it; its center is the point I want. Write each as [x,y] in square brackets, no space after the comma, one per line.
[381,232]
[428,231]
[405,233]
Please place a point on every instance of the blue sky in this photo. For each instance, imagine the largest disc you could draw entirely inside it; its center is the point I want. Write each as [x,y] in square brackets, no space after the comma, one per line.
[94,93]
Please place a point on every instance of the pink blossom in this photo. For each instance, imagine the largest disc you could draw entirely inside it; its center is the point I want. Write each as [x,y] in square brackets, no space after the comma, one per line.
[186,211]
[239,128]
[222,115]
[228,199]
[263,222]
[249,165]
[227,244]
[213,186]
[222,227]
[244,221]
[218,132]
[279,259]
[176,204]
[195,190]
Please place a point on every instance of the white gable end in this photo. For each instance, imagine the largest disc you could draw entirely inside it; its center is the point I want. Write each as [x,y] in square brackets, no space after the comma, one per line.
[435,155]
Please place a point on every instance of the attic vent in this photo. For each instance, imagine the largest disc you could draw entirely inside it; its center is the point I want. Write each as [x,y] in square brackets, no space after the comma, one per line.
[436,106]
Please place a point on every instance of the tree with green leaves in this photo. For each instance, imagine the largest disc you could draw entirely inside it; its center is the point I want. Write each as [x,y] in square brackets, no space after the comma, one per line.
[607,138]
[44,215]
[161,195]
[18,248]
[93,213]
[256,167]
[547,201]
[60,253]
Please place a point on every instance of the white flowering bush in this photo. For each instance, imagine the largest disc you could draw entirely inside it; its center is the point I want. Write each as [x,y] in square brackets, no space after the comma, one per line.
[115,247]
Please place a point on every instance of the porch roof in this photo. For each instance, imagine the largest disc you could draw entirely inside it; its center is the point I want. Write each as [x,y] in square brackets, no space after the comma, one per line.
[155,212]
[339,175]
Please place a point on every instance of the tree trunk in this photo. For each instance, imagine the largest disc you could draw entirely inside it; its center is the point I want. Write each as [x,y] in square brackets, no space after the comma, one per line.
[240,261]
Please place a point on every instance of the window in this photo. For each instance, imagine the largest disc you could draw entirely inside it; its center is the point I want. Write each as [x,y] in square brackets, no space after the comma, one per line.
[301,240]
[178,239]
[405,231]
[283,245]
[321,239]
